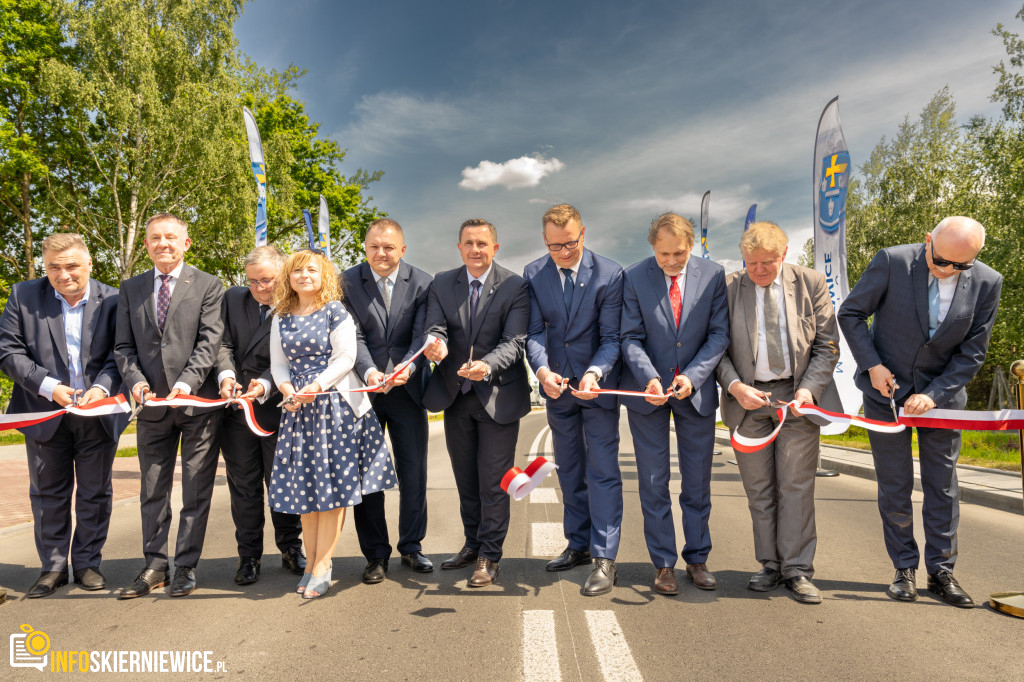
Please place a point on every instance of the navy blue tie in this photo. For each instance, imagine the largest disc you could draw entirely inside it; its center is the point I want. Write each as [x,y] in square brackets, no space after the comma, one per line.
[567,288]
[474,298]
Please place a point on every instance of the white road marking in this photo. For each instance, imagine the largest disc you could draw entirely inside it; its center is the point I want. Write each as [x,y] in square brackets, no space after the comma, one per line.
[543,496]
[535,450]
[612,650]
[547,539]
[540,649]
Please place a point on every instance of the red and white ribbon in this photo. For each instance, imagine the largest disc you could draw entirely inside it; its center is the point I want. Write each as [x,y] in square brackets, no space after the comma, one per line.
[934,419]
[518,483]
[184,400]
[1003,420]
[370,388]
[115,405]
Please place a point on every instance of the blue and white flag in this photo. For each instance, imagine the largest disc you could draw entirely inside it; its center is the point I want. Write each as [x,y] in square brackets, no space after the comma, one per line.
[831,178]
[704,204]
[311,239]
[751,217]
[259,170]
[323,225]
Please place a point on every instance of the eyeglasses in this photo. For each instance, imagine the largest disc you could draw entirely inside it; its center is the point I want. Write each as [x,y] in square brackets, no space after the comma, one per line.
[260,282]
[567,245]
[941,263]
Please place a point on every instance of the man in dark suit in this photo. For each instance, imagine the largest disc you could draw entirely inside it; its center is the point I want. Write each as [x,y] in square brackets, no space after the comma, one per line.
[933,306]
[785,346]
[57,345]
[675,329]
[388,297]
[243,366]
[169,330]
[575,310]
[479,313]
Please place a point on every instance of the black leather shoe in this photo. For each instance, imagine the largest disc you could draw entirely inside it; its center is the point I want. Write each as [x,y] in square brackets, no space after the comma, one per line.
[184,581]
[765,580]
[47,583]
[601,579]
[248,570]
[375,571]
[294,560]
[945,586]
[149,580]
[90,578]
[417,562]
[570,558]
[465,557]
[803,590]
[904,585]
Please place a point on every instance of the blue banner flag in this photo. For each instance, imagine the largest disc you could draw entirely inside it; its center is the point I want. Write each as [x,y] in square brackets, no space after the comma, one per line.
[323,225]
[751,213]
[259,170]
[314,243]
[830,178]
[704,204]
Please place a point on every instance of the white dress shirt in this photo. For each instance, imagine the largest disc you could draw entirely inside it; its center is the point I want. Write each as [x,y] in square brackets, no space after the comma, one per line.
[761,370]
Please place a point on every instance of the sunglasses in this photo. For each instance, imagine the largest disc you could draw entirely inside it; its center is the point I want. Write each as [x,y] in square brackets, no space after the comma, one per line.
[941,263]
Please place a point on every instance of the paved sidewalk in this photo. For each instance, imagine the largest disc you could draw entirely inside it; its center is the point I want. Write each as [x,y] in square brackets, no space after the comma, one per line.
[991,488]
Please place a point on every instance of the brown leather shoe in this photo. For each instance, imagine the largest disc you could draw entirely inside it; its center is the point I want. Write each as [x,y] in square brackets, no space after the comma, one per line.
[701,576]
[486,573]
[465,557]
[665,581]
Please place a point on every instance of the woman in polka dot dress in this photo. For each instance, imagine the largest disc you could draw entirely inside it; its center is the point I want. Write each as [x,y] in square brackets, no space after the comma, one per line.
[330,448]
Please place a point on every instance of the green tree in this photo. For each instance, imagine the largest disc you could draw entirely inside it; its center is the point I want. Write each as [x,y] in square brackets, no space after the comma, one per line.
[30,123]
[154,101]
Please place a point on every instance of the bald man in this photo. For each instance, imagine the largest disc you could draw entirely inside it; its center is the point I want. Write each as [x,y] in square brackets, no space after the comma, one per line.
[933,306]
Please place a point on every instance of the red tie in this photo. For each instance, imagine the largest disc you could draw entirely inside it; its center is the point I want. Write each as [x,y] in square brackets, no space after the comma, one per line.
[676,298]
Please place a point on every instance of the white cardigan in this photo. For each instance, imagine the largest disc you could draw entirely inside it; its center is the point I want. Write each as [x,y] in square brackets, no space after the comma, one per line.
[338,373]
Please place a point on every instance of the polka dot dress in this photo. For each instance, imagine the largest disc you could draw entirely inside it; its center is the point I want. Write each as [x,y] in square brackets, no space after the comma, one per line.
[326,457]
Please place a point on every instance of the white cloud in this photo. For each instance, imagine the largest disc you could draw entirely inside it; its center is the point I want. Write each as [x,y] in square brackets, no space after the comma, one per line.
[526,171]
[390,123]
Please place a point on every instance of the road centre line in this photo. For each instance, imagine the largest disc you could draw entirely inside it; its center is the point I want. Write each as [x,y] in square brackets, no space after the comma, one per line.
[540,648]
[613,652]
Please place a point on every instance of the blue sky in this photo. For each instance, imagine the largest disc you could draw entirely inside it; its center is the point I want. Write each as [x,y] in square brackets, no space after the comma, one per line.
[626,110]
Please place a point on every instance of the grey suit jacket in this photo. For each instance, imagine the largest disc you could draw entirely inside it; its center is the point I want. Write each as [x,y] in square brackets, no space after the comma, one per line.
[498,338]
[894,289]
[33,347]
[810,326]
[185,351]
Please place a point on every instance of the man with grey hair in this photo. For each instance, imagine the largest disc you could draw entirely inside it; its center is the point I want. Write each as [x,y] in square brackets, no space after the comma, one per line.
[243,368]
[168,337]
[57,345]
[934,305]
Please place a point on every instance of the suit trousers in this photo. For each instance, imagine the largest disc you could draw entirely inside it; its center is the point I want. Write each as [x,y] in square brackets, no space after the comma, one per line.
[779,482]
[249,460]
[80,453]
[695,440]
[158,453]
[481,450]
[406,424]
[938,451]
[586,442]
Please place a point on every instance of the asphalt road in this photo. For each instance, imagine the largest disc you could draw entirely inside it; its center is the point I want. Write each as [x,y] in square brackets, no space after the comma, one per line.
[536,625]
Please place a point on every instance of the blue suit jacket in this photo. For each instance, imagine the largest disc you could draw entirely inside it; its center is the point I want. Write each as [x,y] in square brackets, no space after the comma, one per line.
[652,346]
[395,337]
[894,288]
[32,347]
[586,335]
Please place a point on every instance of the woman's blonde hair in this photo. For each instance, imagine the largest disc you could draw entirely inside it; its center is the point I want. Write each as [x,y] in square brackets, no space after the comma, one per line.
[286,299]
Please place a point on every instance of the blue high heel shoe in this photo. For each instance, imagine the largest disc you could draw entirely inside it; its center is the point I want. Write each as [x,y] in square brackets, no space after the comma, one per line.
[319,584]
[302,583]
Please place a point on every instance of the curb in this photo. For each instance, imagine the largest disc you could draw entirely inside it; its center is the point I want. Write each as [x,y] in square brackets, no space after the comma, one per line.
[971,494]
